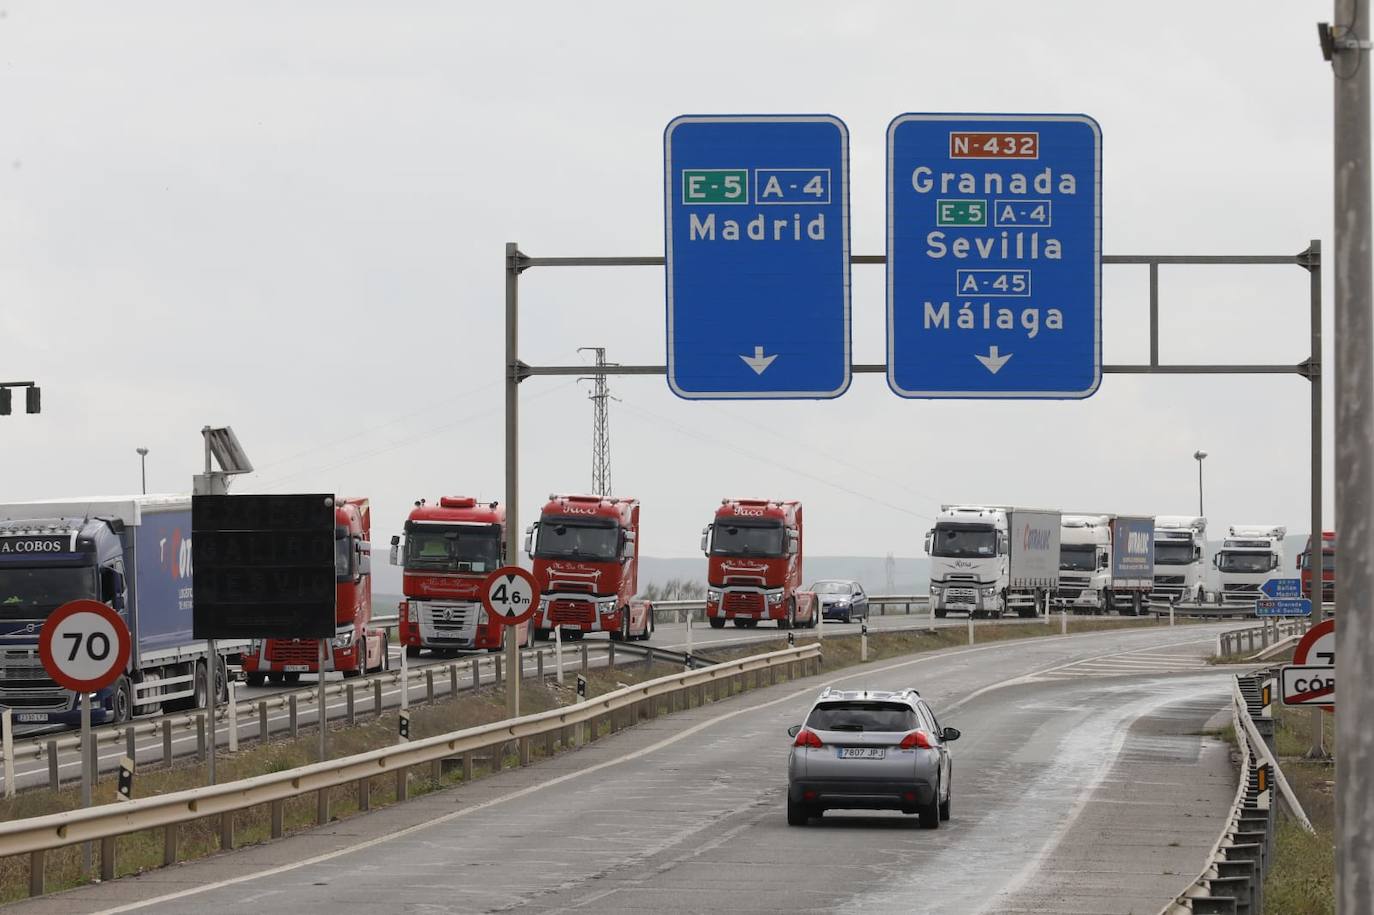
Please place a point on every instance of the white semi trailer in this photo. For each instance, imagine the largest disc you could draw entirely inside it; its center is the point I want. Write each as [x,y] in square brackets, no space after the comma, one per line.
[988,560]
[1179,575]
[1106,562]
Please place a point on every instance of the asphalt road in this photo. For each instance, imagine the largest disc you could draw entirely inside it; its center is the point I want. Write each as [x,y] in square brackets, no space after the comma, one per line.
[1082,784]
[31,771]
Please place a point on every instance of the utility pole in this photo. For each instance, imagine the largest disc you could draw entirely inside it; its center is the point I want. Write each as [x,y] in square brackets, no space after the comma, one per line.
[143,467]
[1345,43]
[601,429]
[1198,456]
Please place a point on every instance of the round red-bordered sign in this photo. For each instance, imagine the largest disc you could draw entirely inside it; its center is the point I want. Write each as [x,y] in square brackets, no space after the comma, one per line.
[510,595]
[1323,633]
[84,646]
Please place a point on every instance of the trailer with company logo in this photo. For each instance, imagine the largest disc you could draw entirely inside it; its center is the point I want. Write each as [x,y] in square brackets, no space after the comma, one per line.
[987,560]
[132,554]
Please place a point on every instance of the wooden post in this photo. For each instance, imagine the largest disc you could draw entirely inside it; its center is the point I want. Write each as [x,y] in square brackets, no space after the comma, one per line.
[467,766]
[524,750]
[169,845]
[476,674]
[348,701]
[376,697]
[54,774]
[453,680]
[364,794]
[321,806]
[107,858]
[278,819]
[264,726]
[291,727]
[226,831]
[402,783]
[37,863]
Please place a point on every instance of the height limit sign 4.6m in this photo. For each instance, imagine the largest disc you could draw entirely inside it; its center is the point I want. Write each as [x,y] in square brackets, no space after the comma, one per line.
[994,255]
[757,255]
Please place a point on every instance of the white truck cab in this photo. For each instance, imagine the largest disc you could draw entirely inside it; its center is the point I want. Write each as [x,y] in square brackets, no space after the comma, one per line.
[1248,557]
[1085,554]
[986,560]
[1179,574]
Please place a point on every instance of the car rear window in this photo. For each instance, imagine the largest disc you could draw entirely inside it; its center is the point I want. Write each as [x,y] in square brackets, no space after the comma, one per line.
[862,716]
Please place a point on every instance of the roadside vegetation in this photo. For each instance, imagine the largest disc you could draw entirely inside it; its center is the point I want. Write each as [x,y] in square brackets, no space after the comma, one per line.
[143,851]
[1303,878]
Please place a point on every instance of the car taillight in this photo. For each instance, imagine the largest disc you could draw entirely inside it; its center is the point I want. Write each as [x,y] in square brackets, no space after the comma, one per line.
[807,738]
[916,739]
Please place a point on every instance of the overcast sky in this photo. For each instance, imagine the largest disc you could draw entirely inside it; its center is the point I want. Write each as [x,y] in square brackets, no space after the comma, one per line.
[290,218]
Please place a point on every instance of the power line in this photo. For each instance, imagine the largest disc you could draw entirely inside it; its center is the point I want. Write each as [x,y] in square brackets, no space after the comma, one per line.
[601,423]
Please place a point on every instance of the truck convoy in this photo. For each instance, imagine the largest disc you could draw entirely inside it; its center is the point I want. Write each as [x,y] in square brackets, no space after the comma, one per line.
[1247,559]
[1328,567]
[356,648]
[586,562]
[753,562]
[986,560]
[1105,562]
[131,553]
[450,549]
[1179,575]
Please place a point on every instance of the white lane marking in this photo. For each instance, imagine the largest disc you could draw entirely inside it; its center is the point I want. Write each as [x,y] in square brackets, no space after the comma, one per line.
[525,792]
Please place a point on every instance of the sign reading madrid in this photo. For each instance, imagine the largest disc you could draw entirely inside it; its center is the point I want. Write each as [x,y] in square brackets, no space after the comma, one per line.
[757,255]
[994,254]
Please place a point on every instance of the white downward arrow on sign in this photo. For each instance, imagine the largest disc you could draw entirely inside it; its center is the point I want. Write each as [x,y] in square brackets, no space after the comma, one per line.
[759,362]
[993,361]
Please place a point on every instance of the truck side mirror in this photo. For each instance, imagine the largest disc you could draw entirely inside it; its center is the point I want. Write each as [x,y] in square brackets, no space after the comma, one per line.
[930,535]
[395,549]
[364,550]
[1214,561]
[1273,562]
[793,543]
[706,539]
[529,539]
[1197,554]
[627,548]
[1003,544]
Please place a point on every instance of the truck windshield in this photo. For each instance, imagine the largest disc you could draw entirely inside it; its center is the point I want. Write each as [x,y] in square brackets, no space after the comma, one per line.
[732,539]
[454,549]
[1328,562]
[559,539]
[343,557]
[1173,554]
[1244,562]
[32,593]
[964,542]
[1078,558]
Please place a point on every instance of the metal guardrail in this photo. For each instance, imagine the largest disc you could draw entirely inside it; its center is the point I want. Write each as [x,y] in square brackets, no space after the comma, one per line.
[36,836]
[1257,638]
[1233,880]
[676,611]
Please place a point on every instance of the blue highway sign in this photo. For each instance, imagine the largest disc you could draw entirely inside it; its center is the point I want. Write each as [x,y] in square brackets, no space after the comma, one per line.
[757,252]
[994,255]
[1299,606]
[1282,588]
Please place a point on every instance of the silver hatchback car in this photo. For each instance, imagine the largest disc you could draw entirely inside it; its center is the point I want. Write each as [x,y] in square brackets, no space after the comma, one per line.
[871,750]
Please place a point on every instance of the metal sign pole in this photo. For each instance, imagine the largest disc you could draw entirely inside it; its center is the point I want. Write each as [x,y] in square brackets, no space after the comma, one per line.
[211,663]
[512,379]
[7,735]
[1354,400]
[87,776]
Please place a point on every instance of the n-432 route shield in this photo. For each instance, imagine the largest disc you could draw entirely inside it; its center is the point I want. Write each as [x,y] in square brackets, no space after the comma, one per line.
[994,253]
[757,254]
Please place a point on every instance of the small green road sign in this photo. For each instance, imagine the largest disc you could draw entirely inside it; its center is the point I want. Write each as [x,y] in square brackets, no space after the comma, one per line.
[961,212]
[715,185]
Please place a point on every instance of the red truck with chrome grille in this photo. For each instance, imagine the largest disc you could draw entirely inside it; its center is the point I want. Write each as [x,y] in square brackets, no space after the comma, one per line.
[753,562]
[355,649]
[1328,568]
[586,561]
[450,549]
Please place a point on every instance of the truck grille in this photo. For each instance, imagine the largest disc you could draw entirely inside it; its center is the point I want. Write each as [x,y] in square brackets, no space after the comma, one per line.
[293,652]
[24,684]
[961,596]
[451,622]
[569,610]
[742,602]
[1169,580]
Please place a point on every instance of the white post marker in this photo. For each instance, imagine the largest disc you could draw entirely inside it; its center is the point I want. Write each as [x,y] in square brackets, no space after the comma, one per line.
[970,628]
[405,678]
[7,728]
[689,635]
[233,713]
[1063,622]
[558,653]
[510,597]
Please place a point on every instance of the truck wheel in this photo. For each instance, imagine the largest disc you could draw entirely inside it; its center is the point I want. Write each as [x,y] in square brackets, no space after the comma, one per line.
[277,679]
[386,653]
[648,626]
[122,701]
[543,635]
[412,651]
[623,628]
[716,622]
[256,679]
[940,614]
[789,619]
[357,671]
[740,622]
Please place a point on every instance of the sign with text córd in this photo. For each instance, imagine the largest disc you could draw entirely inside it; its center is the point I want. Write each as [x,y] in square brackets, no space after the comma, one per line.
[994,255]
[757,256]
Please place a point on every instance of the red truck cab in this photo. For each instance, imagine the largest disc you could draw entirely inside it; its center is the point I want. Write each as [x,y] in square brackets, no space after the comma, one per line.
[586,561]
[355,649]
[1328,567]
[450,549]
[753,562]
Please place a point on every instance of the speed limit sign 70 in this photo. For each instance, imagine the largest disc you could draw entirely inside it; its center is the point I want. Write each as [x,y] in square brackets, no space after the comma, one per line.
[510,595]
[84,646]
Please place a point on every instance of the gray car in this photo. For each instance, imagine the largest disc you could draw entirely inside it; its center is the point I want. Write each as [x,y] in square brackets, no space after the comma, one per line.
[841,600]
[870,749]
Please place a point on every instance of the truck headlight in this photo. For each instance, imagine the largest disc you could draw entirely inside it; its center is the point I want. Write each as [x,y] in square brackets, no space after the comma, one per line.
[988,592]
[713,594]
[775,598]
[343,641]
[482,614]
[937,590]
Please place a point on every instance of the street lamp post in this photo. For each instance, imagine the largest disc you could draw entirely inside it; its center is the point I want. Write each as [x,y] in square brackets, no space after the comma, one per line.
[1199,455]
[143,467]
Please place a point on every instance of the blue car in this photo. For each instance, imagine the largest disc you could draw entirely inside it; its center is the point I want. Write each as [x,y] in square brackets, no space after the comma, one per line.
[841,600]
